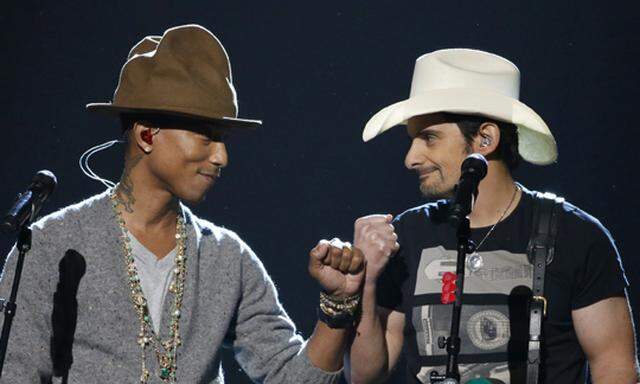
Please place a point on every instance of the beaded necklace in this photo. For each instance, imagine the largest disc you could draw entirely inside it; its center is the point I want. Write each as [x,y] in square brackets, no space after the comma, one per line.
[165,351]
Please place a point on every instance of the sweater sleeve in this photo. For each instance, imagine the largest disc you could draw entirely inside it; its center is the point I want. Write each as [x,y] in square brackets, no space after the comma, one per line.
[266,344]
[28,353]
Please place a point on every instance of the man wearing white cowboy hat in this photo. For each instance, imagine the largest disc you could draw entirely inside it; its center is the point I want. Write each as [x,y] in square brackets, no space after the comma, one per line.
[130,286]
[465,101]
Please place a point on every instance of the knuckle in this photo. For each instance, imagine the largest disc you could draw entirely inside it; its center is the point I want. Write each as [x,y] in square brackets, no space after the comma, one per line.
[360,221]
[336,243]
[371,236]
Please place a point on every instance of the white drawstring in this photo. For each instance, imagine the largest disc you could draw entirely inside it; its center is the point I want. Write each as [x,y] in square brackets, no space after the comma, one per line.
[84,162]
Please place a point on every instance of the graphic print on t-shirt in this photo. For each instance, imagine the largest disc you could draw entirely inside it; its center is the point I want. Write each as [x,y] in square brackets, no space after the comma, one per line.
[585,269]
[485,323]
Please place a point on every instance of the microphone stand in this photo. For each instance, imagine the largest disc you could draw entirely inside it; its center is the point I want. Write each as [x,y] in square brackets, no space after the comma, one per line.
[452,343]
[9,307]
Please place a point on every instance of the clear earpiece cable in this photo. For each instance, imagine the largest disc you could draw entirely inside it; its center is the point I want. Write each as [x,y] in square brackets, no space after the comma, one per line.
[84,162]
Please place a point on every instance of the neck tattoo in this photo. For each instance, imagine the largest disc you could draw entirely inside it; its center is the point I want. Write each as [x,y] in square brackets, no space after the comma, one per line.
[124,189]
[474,261]
[165,351]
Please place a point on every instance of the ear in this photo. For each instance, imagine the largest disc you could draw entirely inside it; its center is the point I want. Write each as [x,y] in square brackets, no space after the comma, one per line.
[487,140]
[142,136]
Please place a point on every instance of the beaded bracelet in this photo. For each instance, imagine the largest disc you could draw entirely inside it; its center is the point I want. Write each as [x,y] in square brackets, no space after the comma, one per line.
[338,312]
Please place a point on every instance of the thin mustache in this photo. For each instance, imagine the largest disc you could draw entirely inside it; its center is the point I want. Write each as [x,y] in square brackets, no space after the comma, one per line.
[425,170]
[216,173]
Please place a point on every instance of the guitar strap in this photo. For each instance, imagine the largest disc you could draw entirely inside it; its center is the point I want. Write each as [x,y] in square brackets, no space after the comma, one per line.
[540,252]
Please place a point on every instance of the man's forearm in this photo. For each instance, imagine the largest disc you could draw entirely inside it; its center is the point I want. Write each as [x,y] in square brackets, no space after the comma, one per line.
[327,346]
[369,358]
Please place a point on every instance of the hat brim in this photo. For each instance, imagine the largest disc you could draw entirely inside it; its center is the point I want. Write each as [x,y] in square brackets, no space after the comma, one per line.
[228,122]
[535,141]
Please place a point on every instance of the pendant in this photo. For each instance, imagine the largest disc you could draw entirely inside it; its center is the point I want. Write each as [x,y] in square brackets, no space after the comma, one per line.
[164,373]
[475,262]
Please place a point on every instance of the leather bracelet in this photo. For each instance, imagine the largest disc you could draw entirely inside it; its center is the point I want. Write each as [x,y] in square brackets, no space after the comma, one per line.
[339,321]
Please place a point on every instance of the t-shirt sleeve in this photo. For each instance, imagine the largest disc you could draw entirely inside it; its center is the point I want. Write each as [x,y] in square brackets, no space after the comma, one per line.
[601,274]
[390,282]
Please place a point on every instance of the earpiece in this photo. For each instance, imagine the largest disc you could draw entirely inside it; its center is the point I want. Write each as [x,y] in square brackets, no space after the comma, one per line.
[147,136]
[485,142]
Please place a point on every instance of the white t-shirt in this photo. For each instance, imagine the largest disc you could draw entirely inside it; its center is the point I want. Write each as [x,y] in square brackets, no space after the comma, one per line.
[155,278]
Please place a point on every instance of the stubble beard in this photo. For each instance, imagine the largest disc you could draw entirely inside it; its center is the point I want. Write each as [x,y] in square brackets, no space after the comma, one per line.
[437,190]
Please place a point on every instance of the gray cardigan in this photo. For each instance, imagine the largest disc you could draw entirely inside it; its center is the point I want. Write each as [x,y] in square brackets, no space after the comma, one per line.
[74,313]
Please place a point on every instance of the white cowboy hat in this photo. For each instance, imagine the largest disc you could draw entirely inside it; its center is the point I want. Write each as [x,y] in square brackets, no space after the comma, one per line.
[472,82]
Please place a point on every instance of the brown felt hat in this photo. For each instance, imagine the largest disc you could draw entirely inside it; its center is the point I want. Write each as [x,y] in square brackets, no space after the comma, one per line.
[185,73]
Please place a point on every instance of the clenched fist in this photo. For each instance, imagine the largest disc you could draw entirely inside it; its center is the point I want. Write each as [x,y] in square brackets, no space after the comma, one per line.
[376,238]
[338,267]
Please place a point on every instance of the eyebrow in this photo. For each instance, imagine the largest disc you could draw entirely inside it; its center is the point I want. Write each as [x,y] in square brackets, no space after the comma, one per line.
[431,130]
[209,130]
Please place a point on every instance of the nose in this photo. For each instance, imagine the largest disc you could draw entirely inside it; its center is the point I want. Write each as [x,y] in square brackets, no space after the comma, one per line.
[415,156]
[219,155]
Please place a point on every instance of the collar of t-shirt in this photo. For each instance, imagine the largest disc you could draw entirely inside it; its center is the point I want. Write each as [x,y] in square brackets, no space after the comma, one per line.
[155,278]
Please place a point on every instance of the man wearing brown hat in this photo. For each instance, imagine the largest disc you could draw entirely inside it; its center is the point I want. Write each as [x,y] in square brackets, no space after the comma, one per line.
[544,289]
[130,286]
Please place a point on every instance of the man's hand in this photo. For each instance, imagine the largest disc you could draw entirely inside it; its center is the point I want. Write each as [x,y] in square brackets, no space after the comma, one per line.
[376,237]
[337,266]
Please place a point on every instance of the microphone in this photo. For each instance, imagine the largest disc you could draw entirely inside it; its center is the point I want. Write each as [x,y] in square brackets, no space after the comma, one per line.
[474,169]
[28,203]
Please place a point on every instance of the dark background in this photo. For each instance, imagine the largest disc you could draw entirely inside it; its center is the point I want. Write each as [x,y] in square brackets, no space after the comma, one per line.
[315,72]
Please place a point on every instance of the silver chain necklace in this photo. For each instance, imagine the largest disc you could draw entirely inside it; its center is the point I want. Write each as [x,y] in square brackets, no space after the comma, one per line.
[474,261]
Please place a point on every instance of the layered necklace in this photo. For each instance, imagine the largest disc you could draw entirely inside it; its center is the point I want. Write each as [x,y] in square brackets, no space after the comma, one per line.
[475,262]
[165,350]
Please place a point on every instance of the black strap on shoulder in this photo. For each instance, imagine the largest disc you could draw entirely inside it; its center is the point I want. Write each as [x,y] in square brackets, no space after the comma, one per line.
[540,252]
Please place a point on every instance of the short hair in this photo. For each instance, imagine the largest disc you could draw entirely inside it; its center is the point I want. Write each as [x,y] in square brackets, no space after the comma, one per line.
[507,149]
[162,120]
[127,120]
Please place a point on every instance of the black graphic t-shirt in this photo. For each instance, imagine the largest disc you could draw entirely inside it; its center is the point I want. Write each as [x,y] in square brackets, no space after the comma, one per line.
[495,319]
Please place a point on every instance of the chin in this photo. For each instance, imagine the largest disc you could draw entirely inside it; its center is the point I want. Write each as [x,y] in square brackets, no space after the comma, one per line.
[192,196]
[436,192]
[194,199]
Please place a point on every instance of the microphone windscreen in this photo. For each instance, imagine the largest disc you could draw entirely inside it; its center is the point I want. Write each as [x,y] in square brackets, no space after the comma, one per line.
[44,182]
[475,164]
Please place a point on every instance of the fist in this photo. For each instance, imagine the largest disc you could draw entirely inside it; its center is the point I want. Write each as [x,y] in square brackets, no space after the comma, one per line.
[338,267]
[376,237]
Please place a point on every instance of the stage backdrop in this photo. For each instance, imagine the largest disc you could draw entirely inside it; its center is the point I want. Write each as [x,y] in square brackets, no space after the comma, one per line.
[315,72]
